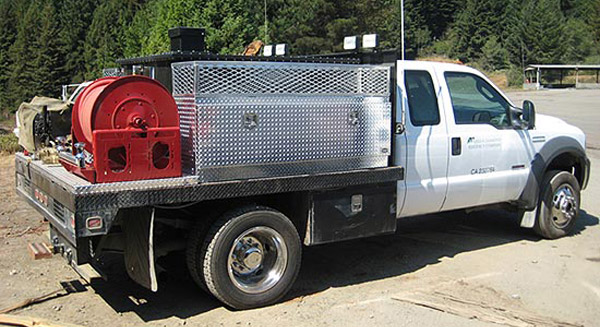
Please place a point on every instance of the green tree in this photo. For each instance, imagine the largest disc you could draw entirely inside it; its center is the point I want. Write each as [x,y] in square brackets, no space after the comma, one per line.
[137,35]
[578,41]
[303,25]
[75,17]
[592,18]
[22,56]
[417,33]
[231,25]
[544,32]
[106,38]
[169,14]
[8,22]
[339,28]
[46,46]
[474,25]
[512,36]
[493,55]
[438,15]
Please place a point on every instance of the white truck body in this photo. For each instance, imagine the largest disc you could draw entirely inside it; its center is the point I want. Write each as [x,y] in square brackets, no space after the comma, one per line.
[494,165]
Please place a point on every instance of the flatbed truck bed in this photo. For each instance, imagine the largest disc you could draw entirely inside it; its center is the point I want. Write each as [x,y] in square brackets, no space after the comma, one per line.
[67,200]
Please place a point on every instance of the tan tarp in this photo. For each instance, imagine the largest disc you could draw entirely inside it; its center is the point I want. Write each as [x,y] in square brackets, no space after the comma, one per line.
[57,109]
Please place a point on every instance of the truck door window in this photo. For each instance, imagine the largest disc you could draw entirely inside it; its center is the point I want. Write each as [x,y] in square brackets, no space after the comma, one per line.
[474,101]
[422,101]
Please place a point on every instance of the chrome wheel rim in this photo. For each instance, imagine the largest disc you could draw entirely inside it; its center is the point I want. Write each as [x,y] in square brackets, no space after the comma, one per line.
[564,206]
[257,260]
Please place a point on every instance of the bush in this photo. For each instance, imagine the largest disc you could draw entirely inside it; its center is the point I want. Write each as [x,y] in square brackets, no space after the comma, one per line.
[592,60]
[439,48]
[477,64]
[493,55]
[514,75]
[9,143]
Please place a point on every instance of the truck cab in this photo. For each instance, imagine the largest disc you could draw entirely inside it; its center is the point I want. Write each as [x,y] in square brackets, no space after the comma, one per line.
[465,144]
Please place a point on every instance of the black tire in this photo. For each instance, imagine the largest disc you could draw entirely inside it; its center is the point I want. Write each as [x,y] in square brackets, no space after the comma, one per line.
[194,246]
[547,224]
[209,263]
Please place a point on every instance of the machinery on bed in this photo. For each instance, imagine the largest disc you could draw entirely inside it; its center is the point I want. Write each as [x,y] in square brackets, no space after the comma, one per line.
[124,128]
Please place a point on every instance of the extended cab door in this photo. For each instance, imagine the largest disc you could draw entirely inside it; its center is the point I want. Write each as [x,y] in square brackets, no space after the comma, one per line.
[423,147]
[489,160]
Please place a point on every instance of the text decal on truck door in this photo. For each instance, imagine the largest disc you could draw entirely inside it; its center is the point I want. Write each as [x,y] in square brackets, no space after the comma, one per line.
[486,142]
[483,170]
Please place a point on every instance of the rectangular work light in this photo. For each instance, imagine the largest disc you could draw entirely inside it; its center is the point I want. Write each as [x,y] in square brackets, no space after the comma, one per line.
[281,49]
[268,50]
[350,42]
[370,41]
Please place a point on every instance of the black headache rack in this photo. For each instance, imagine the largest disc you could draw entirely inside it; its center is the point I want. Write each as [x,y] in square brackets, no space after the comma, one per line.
[187,44]
[159,66]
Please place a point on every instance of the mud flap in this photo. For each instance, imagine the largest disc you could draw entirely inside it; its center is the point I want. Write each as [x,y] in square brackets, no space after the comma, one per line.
[528,219]
[138,226]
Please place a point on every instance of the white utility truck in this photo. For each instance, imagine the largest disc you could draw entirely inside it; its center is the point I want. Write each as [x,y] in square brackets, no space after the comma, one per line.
[282,152]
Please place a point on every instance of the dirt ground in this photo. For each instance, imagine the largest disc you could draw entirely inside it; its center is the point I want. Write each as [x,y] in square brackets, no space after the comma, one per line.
[455,269]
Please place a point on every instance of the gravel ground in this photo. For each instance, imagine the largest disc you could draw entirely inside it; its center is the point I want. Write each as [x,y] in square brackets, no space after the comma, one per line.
[454,269]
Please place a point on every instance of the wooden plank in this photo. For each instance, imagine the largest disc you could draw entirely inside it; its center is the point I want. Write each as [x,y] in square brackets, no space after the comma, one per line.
[12,320]
[39,250]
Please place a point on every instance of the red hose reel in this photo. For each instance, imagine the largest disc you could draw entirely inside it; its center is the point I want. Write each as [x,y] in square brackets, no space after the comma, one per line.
[123,129]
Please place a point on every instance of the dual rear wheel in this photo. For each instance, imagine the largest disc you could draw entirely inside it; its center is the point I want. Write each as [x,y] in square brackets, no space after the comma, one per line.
[250,257]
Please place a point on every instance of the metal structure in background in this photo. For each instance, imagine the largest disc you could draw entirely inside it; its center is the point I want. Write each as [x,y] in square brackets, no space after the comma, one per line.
[545,76]
[244,120]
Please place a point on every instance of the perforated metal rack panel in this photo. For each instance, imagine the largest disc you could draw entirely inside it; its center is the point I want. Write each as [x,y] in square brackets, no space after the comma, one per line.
[261,119]
[106,72]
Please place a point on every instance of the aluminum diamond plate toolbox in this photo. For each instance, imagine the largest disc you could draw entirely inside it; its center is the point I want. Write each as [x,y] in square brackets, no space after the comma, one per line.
[243,120]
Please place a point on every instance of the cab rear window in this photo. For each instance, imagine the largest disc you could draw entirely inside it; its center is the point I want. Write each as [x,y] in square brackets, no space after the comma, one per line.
[422,101]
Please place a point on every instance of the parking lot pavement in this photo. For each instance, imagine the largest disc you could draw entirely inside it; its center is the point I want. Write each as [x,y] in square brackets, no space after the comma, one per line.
[455,269]
[578,107]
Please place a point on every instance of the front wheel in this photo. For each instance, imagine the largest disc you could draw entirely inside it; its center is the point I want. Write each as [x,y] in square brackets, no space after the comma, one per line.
[558,206]
[250,257]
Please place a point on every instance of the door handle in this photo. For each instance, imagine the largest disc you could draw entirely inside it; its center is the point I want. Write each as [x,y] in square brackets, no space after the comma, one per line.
[399,128]
[456,146]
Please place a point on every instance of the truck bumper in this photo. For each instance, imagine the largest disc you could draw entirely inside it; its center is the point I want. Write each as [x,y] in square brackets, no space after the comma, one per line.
[62,232]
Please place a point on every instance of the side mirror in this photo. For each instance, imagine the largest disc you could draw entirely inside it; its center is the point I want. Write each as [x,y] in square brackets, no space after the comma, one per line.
[529,114]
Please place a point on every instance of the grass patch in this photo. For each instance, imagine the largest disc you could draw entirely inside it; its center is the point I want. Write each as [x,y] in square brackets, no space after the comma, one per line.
[9,143]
